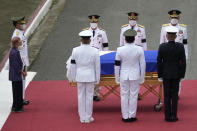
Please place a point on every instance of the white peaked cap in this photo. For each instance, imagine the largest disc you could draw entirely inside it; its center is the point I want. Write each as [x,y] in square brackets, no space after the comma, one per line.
[85,33]
[172,29]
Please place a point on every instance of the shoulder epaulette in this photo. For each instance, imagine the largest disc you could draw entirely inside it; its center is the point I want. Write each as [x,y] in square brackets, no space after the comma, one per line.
[141,26]
[165,25]
[183,25]
[17,33]
[138,45]
[125,25]
[85,28]
[101,29]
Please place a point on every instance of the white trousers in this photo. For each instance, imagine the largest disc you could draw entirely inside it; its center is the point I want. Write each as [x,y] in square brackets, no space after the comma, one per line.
[24,84]
[24,81]
[129,90]
[179,88]
[85,99]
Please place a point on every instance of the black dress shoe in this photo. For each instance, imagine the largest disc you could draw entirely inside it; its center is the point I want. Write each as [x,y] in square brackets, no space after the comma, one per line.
[168,119]
[25,102]
[174,119]
[18,110]
[13,109]
[132,119]
[96,98]
[139,97]
[125,120]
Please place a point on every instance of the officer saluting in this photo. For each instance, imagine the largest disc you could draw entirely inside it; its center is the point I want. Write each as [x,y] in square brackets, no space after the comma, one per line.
[85,70]
[171,65]
[182,32]
[98,40]
[140,38]
[20,25]
[129,74]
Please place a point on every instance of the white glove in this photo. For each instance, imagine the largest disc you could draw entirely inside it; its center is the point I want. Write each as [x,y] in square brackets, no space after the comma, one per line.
[160,79]
[97,82]
[141,81]
[71,80]
[105,49]
[118,80]
[181,79]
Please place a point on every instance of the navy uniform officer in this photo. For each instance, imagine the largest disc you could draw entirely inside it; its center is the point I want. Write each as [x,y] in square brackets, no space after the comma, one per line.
[84,68]
[182,30]
[140,38]
[99,38]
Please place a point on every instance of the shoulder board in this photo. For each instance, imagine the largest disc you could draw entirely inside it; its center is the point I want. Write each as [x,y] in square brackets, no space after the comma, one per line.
[138,45]
[85,28]
[125,25]
[141,26]
[17,33]
[165,25]
[101,29]
[183,25]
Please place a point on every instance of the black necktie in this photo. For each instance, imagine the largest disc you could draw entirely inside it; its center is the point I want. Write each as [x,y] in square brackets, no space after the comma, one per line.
[93,33]
[132,27]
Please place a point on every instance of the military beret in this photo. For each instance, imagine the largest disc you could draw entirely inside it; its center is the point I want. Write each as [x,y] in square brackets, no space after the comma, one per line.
[130,32]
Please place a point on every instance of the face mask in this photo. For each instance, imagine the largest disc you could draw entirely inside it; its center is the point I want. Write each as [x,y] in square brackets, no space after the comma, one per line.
[24,26]
[174,21]
[93,25]
[132,22]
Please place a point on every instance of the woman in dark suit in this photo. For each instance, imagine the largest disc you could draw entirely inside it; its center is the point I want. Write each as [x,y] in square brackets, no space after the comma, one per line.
[15,75]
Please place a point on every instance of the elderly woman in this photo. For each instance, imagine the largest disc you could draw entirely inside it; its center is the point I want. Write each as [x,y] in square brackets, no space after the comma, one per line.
[15,75]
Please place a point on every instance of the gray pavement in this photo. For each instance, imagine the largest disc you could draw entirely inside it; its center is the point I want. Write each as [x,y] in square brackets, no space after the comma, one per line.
[50,64]
[8,9]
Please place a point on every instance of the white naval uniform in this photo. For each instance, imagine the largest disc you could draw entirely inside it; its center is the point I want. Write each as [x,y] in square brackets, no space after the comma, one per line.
[140,38]
[130,74]
[181,38]
[23,52]
[99,40]
[85,70]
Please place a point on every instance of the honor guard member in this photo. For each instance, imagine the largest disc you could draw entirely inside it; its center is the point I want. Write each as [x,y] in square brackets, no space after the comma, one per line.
[182,32]
[85,70]
[140,38]
[20,25]
[99,37]
[98,40]
[129,72]
[171,66]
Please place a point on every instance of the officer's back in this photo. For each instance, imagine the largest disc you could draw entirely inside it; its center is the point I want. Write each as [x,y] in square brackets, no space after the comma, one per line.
[171,54]
[85,56]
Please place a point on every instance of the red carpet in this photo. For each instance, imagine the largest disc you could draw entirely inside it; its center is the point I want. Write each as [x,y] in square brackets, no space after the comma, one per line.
[54,108]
